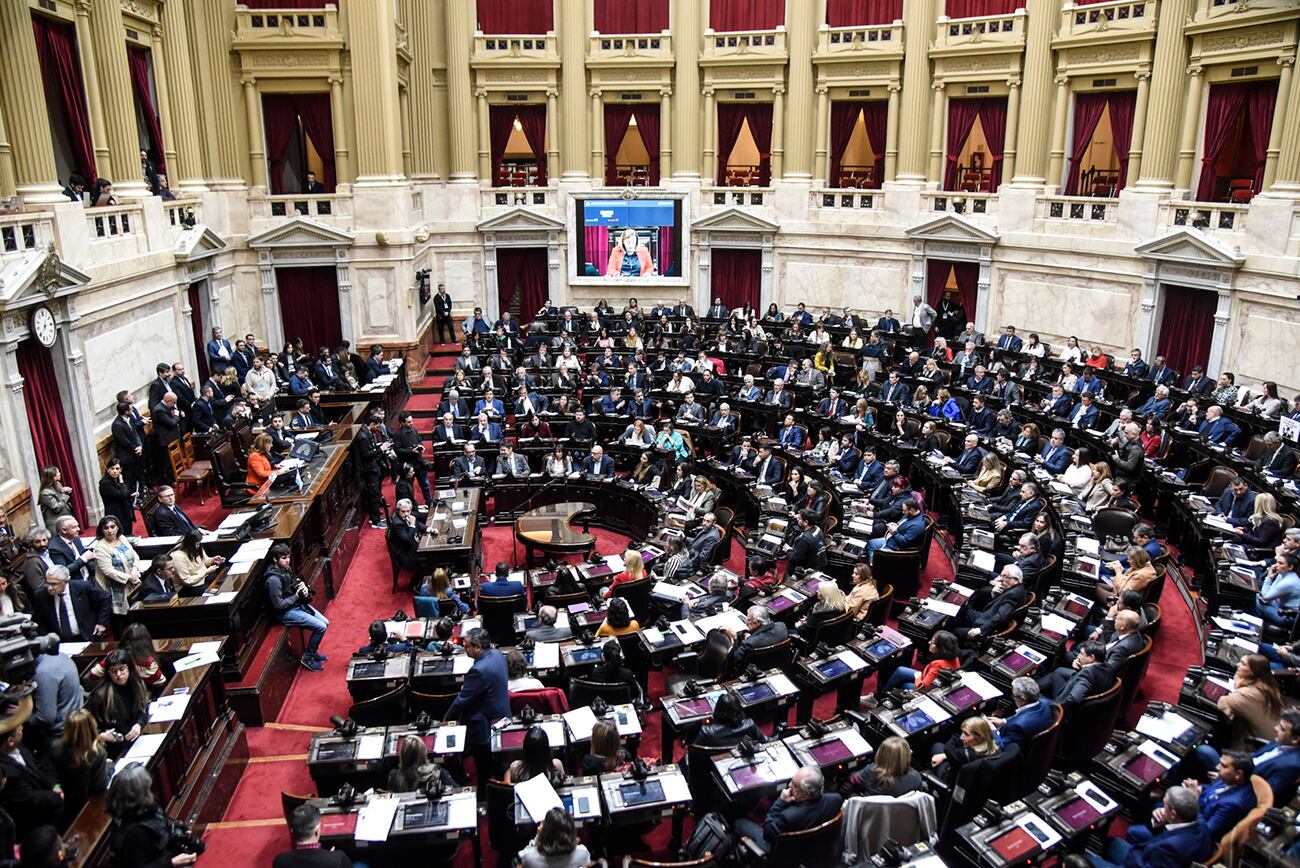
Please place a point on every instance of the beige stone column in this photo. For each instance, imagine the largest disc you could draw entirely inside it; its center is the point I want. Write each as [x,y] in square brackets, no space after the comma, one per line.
[553,133]
[484,138]
[256,137]
[404,109]
[940,105]
[665,133]
[1159,145]
[1036,100]
[226,156]
[918,31]
[428,117]
[891,134]
[822,133]
[801,39]
[574,153]
[90,81]
[373,39]
[338,123]
[161,83]
[183,139]
[1197,88]
[709,166]
[598,143]
[778,131]
[688,39]
[8,185]
[461,98]
[1287,181]
[1011,146]
[1060,119]
[22,104]
[118,97]
[1143,77]
[1284,86]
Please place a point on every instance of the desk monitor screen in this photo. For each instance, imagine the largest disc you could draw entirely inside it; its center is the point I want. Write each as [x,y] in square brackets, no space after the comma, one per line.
[1144,768]
[512,738]
[1013,844]
[602,570]
[756,692]
[832,668]
[579,608]
[587,655]
[954,597]
[1077,813]
[963,697]
[429,741]
[1212,690]
[645,792]
[371,669]
[1017,662]
[694,707]
[746,776]
[830,752]
[437,666]
[882,648]
[915,720]
[1077,608]
[343,750]
[779,604]
[338,824]
[421,814]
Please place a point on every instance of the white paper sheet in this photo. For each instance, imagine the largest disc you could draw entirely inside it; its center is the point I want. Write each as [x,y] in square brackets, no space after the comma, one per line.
[546,655]
[537,796]
[653,635]
[949,609]
[1054,623]
[983,560]
[199,647]
[580,722]
[370,747]
[375,819]
[853,661]
[71,649]
[1157,753]
[223,597]
[193,661]
[1037,827]
[1030,654]
[1090,793]
[443,736]
[1167,727]
[462,811]
[1235,625]
[669,590]
[981,685]
[1087,544]
[461,663]
[169,708]
[625,720]
[687,631]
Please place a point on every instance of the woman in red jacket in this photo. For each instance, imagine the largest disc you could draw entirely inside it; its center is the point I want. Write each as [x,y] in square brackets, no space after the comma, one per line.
[633,571]
[943,655]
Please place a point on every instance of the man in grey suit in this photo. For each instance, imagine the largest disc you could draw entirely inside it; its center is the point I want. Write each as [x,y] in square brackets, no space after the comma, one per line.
[1127,642]
[1087,676]
[547,630]
[701,546]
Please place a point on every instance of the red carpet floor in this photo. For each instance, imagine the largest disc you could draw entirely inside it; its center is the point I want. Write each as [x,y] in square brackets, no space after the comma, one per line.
[253,830]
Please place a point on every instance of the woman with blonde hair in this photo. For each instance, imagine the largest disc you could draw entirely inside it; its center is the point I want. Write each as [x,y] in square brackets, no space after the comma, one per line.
[1140,573]
[974,741]
[831,603]
[259,460]
[629,258]
[1100,490]
[439,587]
[55,498]
[414,767]
[865,592]
[889,774]
[989,474]
[1264,528]
[633,571]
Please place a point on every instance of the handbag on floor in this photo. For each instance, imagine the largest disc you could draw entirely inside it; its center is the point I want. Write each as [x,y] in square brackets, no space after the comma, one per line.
[711,835]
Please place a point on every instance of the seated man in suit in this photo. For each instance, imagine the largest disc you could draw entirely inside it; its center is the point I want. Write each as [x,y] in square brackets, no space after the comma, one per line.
[1126,642]
[745,456]
[789,435]
[968,460]
[529,403]
[990,608]
[468,467]
[1157,405]
[1055,456]
[67,550]
[31,795]
[1086,676]
[597,464]
[1026,556]
[895,391]
[1084,416]
[447,431]
[484,430]
[801,805]
[699,548]
[303,417]
[1059,404]
[903,535]
[690,412]
[870,471]
[1222,804]
[490,405]
[1033,714]
[1089,383]
[750,391]
[809,547]
[1021,516]
[501,585]
[768,468]
[1161,374]
[77,611]
[1136,367]
[763,633]
[1182,838]
[1010,340]
[1277,762]
[547,630]
[613,404]
[1236,503]
[1198,384]
[1277,459]
[778,396]
[169,519]
[510,463]
[982,419]
[888,322]
[723,419]
[1217,429]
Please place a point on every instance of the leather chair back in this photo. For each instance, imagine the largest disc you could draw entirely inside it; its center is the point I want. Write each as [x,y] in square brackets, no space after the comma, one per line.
[389,709]
[583,691]
[637,595]
[1040,753]
[498,614]
[879,609]
[1088,726]
[773,656]
[816,846]
[1135,668]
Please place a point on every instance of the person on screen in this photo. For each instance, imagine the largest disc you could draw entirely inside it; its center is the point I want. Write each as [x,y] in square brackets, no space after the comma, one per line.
[629,258]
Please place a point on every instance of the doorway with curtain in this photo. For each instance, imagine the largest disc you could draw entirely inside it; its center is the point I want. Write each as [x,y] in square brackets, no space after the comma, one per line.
[736,277]
[51,438]
[1186,327]
[299,139]
[521,281]
[959,281]
[309,306]
[194,294]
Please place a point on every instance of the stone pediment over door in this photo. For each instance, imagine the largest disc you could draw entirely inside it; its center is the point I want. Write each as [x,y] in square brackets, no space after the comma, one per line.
[198,243]
[952,229]
[735,220]
[300,232]
[38,278]
[520,220]
[1190,247]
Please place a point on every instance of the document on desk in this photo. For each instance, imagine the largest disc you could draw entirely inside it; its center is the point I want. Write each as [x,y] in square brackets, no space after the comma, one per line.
[537,796]
[72,649]
[653,635]
[1090,793]
[983,560]
[546,655]
[194,661]
[201,647]
[234,520]
[141,750]
[370,747]
[1167,727]
[687,631]
[1158,753]
[445,735]
[669,590]
[168,708]
[223,597]
[580,722]
[1235,625]
[1054,623]
[376,818]
[981,685]
[460,664]
[730,619]
[1087,544]
[949,609]
[1218,523]
[1037,827]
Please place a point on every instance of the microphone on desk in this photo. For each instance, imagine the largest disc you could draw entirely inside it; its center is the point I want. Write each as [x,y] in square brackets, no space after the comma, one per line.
[527,715]
[423,722]
[344,727]
[346,796]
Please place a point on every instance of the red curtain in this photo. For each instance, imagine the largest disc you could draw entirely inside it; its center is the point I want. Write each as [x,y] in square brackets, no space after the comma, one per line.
[309,306]
[279,118]
[875,115]
[501,120]
[288,4]
[992,114]
[733,15]
[617,116]
[1123,105]
[61,70]
[194,293]
[665,251]
[1088,109]
[524,17]
[51,439]
[1260,105]
[138,61]
[317,121]
[844,118]
[974,8]
[993,119]
[647,121]
[731,118]
[961,120]
[1187,327]
[595,245]
[862,13]
[736,277]
[533,119]
[1230,106]
[526,268]
[618,16]
[967,278]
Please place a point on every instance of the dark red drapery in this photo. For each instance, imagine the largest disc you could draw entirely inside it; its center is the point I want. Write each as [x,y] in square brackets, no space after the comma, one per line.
[844,118]
[525,268]
[735,277]
[862,13]
[993,119]
[281,113]
[1088,109]
[524,17]
[961,120]
[194,294]
[875,115]
[731,118]
[595,245]
[617,116]
[317,122]
[647,121]
[56,43]
[1187,327]
[967,276]
[501,121]
[733,15]
[974,8]
[533,119]
[51,439]
[289,4]
[992,115]
[138,61]
[1230,106]
[309,306]
[618,16]
[665,251]
[1123,106]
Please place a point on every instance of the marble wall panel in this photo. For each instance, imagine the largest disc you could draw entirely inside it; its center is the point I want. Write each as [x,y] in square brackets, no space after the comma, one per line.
[1098,313]
[123,353]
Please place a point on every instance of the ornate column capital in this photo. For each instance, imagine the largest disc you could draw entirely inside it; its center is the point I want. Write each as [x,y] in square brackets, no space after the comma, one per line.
[1194,71]
[822,89]
[707,91]
[1013,83]
[1285,61]
[336,78]
[595,93]
[480,93]
[1061,80]
[778,89]
[937,84]
[552,93]
[247,81]
[666,90]
[82,7]
[156,32]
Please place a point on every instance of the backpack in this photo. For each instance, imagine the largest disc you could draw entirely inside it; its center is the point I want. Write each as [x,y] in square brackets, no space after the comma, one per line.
[711,835]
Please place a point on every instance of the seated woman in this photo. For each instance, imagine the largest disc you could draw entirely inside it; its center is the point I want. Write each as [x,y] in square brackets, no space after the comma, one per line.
[80,760]
[989,475]
[610,669]
[138,645]
[565,583]
[120,704]
[556,844]
[890,774]
[535,427]
[415,769]
[606,753]
[638,434]
[379,638]
[864,593]
[1254,704]
[1140,573]
[517,672]
[672,442]
[974,741]
[1264,528]
[536,761]
[439,587]
[633,571]
[729,725]
[831,603]
[1078,475]
[618,620]
[259,460]
[194,567]
[943,655]
[1279,594]
[647,472]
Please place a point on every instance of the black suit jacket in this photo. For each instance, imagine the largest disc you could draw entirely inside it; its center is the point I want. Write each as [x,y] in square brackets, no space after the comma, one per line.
[125,440]
[166,425]
[1088,681]
[312,859]
[403,543]
[1282,463]
[29,795]
[168,521]
[90,604]
[65,554]
[1118,653]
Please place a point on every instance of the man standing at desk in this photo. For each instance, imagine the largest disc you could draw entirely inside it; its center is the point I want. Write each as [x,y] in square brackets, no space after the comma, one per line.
[483,699]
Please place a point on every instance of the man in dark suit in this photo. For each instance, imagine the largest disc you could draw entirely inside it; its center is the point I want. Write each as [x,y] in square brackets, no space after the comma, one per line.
[484,698]
[1161,374]
[161,385]
[169,519]
[700,547]
[29,794]
[1059,404]
[468,467]
[989,609]
[1086,676]
[166,425]
[768,468]
[442,315]
[304,828]
[1217,428]
[778,396]
[1033,714]
[408,444]
[597,464]
[1182,839]
[870,471]
[888,322]
[1085,415]
[371,461]
[184,389]
[1010,340]
[1055,455]
[1236,503]
[1127,642]
[128,447]
[547,630]
[1221,804]
[511,464]
[895,391]
[501,585]
[801,805]
[718,310]
[1277,459]
[67,550]
[809,547]
[311,186]
[1136,366]
[77,611]
[447,430]
[901,535]
[1198,384]
[968,461]
[1021,516]
[763,633]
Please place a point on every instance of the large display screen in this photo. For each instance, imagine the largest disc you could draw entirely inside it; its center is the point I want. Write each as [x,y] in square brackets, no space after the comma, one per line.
[629,239]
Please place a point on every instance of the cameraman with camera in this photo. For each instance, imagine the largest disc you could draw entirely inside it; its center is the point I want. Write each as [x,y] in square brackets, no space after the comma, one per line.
[291,601]
[143,836]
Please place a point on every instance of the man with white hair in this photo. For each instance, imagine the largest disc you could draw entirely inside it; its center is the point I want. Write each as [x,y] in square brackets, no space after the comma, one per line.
[1157,405]
[987,613]
[750,391]
[1033,714]
[1129,456]
[1181,840]
[1116,429]
[803,804]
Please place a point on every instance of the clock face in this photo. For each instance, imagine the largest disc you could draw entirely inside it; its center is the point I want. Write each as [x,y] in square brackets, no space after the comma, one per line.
[43,326]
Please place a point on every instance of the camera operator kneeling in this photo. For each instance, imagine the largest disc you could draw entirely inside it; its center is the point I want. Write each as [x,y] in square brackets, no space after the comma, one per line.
[143,836]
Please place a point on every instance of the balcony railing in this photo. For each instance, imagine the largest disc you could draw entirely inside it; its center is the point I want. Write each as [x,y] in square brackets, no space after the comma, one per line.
[1211,10]
[1077,209]
[860,41]
[536,46]
[747,44]
[115,221]
[279,25]
[332,209]
[1120,15]
[969,204]
[1206,216]
[984,30]
[725,197]
[514,197]
[638,47]
[21,234]
[847,199]
[183,213]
